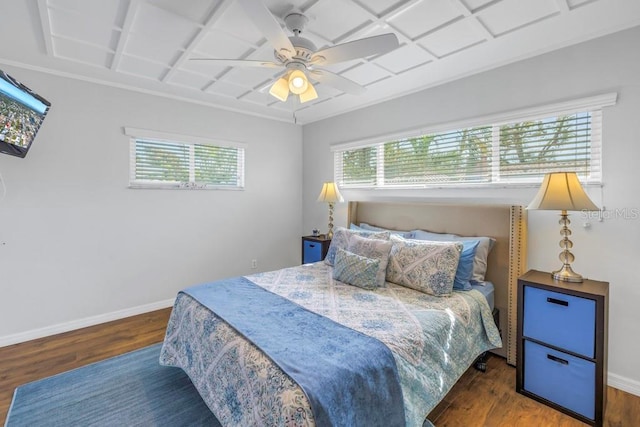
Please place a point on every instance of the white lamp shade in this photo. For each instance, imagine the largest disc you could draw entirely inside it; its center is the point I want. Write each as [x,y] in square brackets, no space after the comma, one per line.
[562,191]
[309,95]
[330,193]
[280,89]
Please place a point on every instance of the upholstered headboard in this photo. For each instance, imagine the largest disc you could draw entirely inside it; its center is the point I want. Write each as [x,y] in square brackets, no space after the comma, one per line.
[506,261]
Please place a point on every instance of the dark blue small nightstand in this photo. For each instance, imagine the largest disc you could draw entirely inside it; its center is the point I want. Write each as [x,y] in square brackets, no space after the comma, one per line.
[562,344]
[314,248]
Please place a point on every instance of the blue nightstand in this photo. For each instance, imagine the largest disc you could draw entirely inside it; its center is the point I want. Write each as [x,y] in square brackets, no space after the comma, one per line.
[562,344]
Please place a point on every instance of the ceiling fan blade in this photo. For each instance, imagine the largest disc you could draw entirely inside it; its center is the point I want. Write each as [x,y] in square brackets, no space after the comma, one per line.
[239,62]
[268,25]
[337,81]
[360,48]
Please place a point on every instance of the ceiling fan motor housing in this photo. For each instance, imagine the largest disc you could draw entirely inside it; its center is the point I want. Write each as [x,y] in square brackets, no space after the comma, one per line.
[296,22]
[304,50]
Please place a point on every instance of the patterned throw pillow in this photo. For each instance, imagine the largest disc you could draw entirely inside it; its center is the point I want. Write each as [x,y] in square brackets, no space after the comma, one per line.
[482,250]
[428,267]
[355,270]
[342,236]
[374,249]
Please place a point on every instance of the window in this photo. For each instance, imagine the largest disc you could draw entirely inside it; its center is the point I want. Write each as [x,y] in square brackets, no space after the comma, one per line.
[516,148]
[173,161]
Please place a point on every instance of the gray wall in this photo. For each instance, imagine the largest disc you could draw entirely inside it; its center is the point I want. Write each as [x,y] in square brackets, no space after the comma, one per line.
[608,250]
[77,246]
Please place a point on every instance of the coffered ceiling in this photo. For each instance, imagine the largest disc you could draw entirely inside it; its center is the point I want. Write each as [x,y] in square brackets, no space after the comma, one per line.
[148,45]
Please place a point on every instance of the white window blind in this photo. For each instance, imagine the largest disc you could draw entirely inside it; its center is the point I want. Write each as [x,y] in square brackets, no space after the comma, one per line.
[158,162]
[518,148]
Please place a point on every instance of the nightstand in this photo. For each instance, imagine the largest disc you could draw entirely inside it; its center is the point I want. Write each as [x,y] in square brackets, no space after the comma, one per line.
[562,344]
[314,248]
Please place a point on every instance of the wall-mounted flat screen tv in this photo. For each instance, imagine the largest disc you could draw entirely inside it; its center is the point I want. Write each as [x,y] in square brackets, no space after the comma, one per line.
[21,114]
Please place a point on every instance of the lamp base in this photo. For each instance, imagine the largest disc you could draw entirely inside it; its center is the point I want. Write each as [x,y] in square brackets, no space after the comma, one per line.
[566,274]
[330,232]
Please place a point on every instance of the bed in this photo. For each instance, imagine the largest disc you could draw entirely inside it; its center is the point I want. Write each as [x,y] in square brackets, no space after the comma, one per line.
[308,373]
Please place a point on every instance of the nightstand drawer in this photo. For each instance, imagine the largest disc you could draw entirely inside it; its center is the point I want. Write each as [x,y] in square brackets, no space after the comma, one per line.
[312,251]
[560,378]
[561,320]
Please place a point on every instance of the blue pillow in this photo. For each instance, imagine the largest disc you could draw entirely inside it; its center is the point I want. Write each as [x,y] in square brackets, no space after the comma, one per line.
[464,273]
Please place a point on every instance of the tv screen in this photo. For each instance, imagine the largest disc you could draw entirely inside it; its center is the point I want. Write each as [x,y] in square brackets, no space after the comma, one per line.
[21,114]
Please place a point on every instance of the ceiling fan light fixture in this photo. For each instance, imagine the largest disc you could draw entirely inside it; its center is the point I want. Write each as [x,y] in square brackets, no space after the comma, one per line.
[280,89]
[298,82]
[308,95]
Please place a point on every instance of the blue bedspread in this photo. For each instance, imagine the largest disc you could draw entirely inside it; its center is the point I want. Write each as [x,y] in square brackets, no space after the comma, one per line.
[433,341]
[348,377]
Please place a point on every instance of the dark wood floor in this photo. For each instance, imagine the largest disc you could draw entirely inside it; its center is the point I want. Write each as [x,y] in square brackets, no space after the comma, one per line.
[478,399]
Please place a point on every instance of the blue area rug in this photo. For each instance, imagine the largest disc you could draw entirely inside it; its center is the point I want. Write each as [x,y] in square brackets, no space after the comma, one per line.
[127,390]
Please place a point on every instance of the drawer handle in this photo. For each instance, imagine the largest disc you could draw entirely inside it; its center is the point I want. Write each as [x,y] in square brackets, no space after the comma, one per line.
[312,245]
[558,301]
[557,359]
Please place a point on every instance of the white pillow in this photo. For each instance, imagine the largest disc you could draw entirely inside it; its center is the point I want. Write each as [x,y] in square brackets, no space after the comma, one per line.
[342,236]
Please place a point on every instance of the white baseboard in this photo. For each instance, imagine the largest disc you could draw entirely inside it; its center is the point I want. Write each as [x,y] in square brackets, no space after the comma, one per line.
[82,323]
[624,384]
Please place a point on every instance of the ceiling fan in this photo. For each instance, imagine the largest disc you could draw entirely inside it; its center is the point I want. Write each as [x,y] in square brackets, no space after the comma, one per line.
[299,56]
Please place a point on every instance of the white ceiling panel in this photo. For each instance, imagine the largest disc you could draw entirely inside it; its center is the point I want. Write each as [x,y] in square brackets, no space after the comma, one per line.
[163,26]
[577,3]
[105,12]
[100,32]
[234,21]
[189,80]
[366,74]
[280,8]
[404,58]
[145,46]
[261,98]
[334,19]
[509,15]
[194,10]
[216,44]
[141,68]
[474,5]
[148,44]
[81,52]
[453,38]
[249,77]
[380,7]
[227,89]
[424,16]
[204,68]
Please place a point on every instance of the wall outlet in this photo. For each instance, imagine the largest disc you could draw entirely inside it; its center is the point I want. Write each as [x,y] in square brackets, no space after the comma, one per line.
[254,263]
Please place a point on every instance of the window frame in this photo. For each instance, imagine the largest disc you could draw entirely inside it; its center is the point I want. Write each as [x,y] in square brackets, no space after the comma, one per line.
[136,135]
[593,105]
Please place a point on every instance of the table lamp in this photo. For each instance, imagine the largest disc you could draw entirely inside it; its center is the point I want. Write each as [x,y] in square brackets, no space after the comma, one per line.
[330,194]
[562,191]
